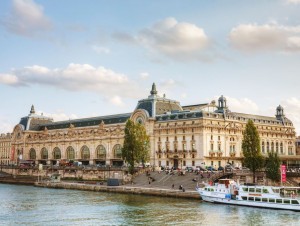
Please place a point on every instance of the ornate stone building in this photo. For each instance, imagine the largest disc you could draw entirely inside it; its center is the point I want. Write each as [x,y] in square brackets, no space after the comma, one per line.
[180,136]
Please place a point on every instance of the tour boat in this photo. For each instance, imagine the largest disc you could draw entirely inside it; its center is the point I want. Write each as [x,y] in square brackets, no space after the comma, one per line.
[227,191]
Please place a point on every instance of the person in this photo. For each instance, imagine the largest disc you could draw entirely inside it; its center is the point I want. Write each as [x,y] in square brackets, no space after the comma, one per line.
[180,187]
[173,185]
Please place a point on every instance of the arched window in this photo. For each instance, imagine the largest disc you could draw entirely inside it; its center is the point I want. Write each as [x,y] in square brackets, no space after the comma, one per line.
[281,148]
[268,146]
[70,153]
[277,147]
[272,146]
[263,147]
[44,153]
[32,154]
[100,152]
[56,153]
[85,152]
[117,151]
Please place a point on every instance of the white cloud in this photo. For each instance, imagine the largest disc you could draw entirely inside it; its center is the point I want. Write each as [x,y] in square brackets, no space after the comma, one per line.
[6,126]
[58,116]
[75,77]
[292,111]
[242,105]
[100,49]
[270,37]
[144,75]
[117,101]
[175,39]
[295,2]
[26,18]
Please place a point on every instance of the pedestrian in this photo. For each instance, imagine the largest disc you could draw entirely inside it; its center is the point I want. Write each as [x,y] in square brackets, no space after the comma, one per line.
[173,185]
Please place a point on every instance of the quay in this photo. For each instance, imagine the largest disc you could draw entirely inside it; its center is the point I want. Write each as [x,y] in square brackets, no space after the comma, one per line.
[122,189]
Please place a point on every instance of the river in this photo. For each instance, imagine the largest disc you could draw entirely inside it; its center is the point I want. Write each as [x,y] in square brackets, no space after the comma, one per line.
[27,205]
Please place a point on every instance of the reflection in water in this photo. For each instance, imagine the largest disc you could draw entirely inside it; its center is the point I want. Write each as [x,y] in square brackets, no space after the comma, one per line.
[25,205]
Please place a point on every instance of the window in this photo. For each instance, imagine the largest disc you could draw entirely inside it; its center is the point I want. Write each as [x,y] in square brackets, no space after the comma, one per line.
[251,189]
[271,200]
[44,153]
[56,153]
[281,148]
[250,198]
[211,146]
[294,202]
[85,152]
[70,153]
[258,190]
[257,199]
[183,163]
[286,201]
[245,189]
[263,147]
[32,154]
[278,200]
[265,199]
[117,150]
[100,152]
[268,147]
[193,163]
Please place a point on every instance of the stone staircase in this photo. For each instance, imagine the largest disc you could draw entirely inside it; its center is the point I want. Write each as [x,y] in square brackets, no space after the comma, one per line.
[163,180]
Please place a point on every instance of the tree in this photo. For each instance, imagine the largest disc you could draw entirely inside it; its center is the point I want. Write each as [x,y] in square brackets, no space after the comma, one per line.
[136,145]
[272,166]
[253,158]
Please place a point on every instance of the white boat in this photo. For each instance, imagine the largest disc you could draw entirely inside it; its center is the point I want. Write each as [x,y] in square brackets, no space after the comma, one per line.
[227,191]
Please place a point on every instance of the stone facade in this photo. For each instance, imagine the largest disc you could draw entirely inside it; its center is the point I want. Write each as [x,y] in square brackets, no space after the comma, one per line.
[203,134]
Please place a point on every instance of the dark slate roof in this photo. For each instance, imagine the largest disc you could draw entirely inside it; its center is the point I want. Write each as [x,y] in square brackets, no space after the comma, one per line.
[146,105]
[179,116]
[167,106]
[85,122]
[24,122]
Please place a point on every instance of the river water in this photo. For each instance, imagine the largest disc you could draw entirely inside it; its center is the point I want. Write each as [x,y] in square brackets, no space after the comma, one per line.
[27,205]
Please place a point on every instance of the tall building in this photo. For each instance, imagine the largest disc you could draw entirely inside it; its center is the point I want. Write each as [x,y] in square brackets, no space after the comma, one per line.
[207,134]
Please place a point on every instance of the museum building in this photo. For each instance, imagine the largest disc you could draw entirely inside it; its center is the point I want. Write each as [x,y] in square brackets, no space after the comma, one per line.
[180,136]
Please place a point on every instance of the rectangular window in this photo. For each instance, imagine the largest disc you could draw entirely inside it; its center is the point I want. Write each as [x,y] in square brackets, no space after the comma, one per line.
[250,198]
[258,190]
[251,190]
[245,189]
[193,163]
[278,200]
[295,202]
[183,163]
[212,163]
[167,163]
[257,199]
[159,163]
[264,199]
[286,201]
[272,200]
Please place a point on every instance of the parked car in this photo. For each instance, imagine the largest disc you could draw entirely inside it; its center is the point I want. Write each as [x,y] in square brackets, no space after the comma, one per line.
[189,169]
[221,168]
[211,168]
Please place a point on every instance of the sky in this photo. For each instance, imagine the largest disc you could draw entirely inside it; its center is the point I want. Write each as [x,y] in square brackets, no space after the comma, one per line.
[77,59]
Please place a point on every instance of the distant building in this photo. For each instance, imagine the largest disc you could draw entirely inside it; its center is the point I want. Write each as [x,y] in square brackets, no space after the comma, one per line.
[207,134]
[298,145]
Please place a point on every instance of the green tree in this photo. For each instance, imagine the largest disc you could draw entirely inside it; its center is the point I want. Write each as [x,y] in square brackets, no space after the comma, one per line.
[272,166]
[136,145]
[253,158]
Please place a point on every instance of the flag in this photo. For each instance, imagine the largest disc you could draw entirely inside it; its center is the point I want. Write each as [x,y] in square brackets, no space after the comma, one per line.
[12,153]
[283,173]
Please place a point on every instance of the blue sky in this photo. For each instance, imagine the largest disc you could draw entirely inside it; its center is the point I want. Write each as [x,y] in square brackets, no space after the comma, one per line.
[75,59]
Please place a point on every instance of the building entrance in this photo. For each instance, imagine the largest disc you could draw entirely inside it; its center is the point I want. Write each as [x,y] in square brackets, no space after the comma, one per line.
[175,165]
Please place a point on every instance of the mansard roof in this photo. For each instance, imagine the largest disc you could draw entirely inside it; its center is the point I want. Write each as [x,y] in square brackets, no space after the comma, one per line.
[85,122]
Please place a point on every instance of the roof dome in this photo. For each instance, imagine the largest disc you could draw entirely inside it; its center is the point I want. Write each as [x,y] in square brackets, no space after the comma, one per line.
[279,108]
[222,98]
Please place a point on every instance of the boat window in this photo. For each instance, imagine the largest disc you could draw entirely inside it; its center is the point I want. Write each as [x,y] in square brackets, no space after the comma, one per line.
[286,201]
[278,200]
[258,190]
[271,200]
[250,198]
[205,189]
[264,199]
[245,189]
[265,190]
[294,202]
[244,197]
[251,190]
[257,199]
[275,190]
